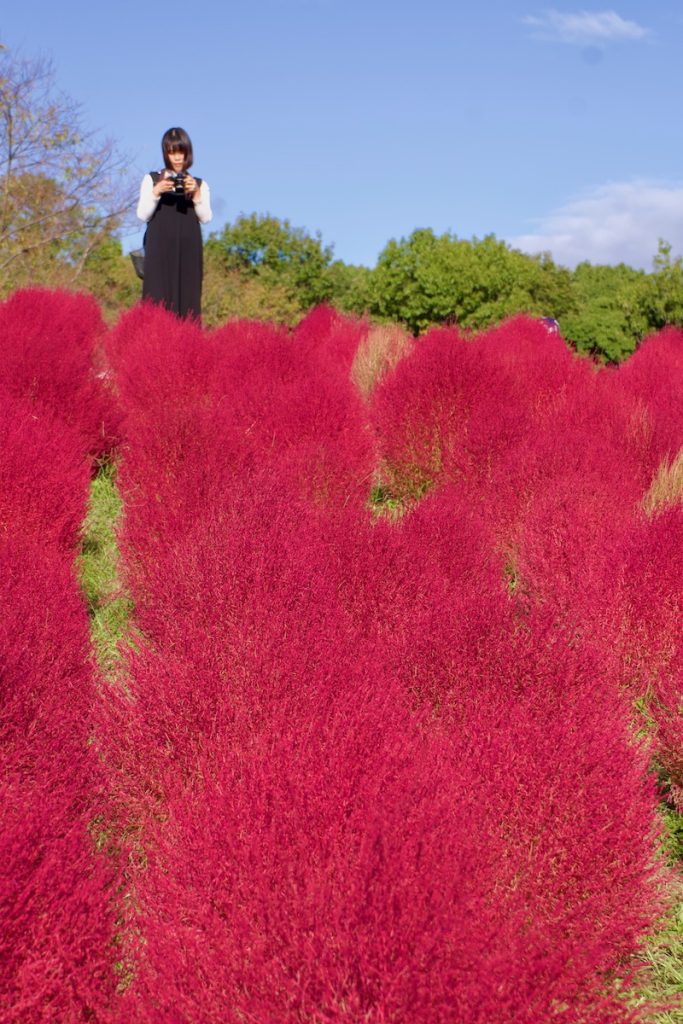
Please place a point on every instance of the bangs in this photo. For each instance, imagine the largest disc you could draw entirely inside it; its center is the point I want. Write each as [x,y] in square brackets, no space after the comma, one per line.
[176,140]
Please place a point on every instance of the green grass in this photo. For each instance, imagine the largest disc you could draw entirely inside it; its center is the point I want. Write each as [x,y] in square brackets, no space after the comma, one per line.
[664,954]
[111,628]
[383,503]
[665,963]
[109,606]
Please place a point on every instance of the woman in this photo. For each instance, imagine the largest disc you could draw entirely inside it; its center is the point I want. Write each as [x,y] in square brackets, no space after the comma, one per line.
[173,203]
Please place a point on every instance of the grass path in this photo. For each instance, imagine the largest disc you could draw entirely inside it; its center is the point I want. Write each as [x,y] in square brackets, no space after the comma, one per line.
[109,606]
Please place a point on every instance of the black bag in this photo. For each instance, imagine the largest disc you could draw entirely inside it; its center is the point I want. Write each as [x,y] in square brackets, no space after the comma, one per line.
[138,258]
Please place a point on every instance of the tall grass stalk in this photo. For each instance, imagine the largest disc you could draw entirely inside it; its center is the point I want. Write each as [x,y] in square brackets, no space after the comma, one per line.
[378,354]
[667,485]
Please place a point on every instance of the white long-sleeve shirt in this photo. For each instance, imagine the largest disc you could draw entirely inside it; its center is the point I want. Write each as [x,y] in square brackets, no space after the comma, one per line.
[147,203]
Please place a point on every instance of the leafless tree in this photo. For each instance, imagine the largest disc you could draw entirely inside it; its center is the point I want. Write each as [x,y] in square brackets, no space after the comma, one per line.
[63,189]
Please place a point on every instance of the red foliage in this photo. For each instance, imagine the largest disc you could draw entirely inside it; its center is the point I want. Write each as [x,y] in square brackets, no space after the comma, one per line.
[535,438]
[332,338]
[56,906]
[367,770]
[557,456]
[56,894]
[369,785]
[206,410]
[49,354]
[652,379]
[47,681]
[457,405]
[320,846]
[650,641]
[43,476]
[56,919]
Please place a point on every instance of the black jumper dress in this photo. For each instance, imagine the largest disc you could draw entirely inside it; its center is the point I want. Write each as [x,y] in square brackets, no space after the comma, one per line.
[174,254]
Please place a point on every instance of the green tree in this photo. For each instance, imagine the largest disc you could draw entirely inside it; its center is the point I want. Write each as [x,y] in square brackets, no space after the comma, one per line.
[109,275]
[351,287]
[664,300]
[428,279]
[618,305]
[62,190]
[230,294]
[278,255]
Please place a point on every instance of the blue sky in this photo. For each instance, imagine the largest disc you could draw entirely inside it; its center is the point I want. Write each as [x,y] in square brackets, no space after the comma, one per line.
[554,127]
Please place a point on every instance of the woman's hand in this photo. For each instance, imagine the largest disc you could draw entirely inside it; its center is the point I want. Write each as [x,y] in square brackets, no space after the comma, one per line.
[163,185]
[191,187]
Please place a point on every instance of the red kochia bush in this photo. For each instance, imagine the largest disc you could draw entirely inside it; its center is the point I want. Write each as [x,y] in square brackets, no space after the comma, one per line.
[56,909]
[538,440]
[56,920]
[423,412]
[56,915]
[43,476]
[327,848]
[501,413]
[49,355]
[204,410]
[47,681]
[573,492]
[153,354]
[367,784]
[276,405]
[332,339]
[456,405]
[650,639]
[653,379]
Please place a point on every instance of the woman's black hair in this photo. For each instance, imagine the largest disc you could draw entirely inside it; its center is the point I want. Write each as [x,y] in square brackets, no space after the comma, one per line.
[176,140]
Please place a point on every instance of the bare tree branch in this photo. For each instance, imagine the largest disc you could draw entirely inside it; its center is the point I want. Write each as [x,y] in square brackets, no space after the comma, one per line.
[63,189]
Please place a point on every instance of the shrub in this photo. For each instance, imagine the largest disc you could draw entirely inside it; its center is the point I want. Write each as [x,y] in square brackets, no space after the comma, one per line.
[57,915]
[322,846]
[49,352]
[652,377]
[363,782]
[43,476]
[56,894]
[649,640]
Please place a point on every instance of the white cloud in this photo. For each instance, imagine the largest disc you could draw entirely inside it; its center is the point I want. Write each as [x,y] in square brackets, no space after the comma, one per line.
[585,28]
[612,223]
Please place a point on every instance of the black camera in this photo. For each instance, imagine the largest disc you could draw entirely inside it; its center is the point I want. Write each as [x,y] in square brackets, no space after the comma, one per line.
[178,179]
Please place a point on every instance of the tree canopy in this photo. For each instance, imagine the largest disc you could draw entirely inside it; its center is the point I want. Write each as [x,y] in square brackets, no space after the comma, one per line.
[427,279]
[263,247]
[63,191]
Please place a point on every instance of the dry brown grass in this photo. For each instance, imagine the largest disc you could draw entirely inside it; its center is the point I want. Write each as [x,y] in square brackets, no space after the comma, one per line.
[667,485]
[384,347]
